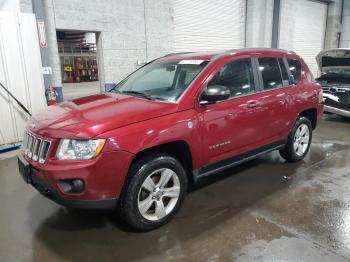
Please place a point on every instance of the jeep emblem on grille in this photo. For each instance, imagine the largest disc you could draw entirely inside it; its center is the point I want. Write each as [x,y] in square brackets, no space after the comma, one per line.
[32,126]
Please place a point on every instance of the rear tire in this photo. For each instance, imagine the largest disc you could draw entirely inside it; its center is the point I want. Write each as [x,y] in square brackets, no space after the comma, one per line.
[299,141]
[155,190]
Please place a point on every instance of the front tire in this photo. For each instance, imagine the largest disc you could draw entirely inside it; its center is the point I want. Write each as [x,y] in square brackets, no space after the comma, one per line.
[154,192]
[299,141]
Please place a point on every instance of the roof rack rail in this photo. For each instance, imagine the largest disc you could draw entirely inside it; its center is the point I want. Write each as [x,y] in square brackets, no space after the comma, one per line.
[258,48]
[179,53]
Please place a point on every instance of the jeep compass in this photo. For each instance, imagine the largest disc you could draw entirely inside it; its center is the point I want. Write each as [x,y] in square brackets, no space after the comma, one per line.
[173,121]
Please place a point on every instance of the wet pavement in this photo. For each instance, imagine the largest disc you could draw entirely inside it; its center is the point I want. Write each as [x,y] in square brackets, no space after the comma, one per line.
[264,210]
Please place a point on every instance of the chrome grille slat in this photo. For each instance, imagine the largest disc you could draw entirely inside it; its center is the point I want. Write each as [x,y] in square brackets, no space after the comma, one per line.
[35,147]
[25,146]
[41,150]
[44,151]
[30,146]
[25,141]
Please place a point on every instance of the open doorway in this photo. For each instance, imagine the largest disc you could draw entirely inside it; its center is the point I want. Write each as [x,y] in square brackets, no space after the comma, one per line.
[79,68]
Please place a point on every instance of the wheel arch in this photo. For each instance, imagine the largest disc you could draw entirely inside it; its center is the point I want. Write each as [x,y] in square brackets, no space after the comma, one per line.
[179,149]
[311,114]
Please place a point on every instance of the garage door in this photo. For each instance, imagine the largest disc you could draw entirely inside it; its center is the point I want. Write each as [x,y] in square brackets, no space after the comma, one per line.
[20,73]
[209,24]
[302,29]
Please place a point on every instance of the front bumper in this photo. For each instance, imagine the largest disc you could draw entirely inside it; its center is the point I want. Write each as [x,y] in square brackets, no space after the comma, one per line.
[337,100]
[337,111]
[50,192]
[103,179]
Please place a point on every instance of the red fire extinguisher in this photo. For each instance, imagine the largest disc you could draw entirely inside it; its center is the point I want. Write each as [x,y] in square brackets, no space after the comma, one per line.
[51,96]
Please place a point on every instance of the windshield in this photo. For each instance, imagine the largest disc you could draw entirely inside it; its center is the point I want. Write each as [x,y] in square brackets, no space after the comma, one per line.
[161,80]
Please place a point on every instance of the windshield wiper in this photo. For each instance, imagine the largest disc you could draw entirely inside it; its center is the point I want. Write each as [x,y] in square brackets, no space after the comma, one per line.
[137,93]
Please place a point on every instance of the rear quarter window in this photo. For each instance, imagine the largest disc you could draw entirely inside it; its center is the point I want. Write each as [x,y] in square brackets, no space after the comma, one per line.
[295,69]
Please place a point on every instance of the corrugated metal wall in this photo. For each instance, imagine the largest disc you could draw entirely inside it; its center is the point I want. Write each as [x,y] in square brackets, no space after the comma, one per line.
[302,29]
[345,31]
[259,23]
[20,72]
[202,25]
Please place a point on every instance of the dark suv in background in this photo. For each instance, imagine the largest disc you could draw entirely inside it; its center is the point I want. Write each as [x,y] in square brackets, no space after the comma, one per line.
[334,65]
[172,122]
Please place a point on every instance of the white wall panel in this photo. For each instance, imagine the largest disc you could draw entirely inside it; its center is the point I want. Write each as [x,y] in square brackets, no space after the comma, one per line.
[20,72]
[124,35]
[259,23]
[202,25]
[345,31]
[302,29]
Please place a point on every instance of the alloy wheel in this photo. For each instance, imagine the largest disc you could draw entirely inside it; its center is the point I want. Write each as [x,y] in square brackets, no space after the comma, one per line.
[159,194]
[301,139]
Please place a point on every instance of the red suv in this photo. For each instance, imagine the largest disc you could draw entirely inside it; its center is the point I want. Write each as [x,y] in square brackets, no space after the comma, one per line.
[173,121]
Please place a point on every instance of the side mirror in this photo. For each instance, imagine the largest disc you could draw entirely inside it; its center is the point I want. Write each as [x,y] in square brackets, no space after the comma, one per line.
[214,93]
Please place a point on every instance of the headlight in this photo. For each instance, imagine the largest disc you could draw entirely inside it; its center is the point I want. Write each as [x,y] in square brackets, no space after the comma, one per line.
[79,149]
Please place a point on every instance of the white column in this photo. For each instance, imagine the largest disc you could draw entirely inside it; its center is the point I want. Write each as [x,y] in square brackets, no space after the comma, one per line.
[51,38]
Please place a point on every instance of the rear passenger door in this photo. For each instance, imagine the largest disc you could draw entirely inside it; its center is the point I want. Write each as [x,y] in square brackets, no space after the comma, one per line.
[275,97]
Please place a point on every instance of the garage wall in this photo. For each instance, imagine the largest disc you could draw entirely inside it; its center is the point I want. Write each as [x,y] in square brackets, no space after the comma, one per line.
[302,29]
[159,28]
[202,25]
[345,32]
[26,6]
[259,23]
[333,24]
[20,73]
[140,30]
[131,30]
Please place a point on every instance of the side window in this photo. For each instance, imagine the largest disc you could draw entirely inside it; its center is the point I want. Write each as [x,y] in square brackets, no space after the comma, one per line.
[285,78]
[295,69]
[270,72]
[236,76]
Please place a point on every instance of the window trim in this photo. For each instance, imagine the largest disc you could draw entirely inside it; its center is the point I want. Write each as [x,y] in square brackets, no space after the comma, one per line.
[281,65]
[261,84]
[259,75]
[290,73]
[255,77]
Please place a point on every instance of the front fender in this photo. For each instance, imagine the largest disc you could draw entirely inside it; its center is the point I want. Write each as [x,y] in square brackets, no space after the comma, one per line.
[134,138]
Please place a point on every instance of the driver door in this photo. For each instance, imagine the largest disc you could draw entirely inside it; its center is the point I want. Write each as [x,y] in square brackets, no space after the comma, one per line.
[232,126]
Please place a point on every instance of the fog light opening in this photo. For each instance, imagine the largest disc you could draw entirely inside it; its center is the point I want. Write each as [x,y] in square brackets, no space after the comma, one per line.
[71,185]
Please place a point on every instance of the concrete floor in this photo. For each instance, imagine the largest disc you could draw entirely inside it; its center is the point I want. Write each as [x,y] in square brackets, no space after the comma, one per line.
[264,210]
[76,90]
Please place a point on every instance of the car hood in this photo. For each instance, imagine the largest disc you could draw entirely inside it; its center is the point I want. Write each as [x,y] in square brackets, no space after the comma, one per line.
[334,60]
[89,116]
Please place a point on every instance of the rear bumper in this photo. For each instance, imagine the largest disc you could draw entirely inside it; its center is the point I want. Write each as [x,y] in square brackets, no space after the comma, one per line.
[337,111]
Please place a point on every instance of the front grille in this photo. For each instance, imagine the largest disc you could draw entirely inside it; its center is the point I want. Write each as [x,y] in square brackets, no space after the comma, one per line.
[326,89]
[35,147]
[332,89]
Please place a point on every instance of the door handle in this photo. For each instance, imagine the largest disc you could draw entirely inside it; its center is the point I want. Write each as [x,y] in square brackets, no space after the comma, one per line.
[252,104]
